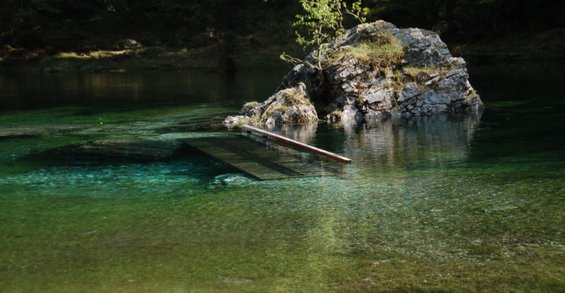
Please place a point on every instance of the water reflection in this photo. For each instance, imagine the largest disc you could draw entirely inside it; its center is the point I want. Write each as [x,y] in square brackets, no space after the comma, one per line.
[399,143]
[385,204]
[425,141]
[302,133]
[35,91]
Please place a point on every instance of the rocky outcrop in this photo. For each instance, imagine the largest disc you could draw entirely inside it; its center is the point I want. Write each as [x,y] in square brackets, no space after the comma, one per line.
[288,106]
[377,71]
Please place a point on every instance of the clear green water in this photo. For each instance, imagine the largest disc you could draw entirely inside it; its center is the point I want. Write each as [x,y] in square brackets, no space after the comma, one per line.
[436,204]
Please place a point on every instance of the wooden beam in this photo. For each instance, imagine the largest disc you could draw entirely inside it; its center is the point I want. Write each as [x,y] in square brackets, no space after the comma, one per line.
[296,144]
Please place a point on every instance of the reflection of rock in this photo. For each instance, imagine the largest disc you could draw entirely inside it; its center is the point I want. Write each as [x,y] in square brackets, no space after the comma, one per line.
[135,150]
[398,142]
[302,133]
[289,106]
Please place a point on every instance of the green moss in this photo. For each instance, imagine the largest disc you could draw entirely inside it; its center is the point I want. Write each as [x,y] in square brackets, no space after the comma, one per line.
[290,97]
[398,79]
[275,108]
[422,74]
[386,51]
[248,106]
[471,93]
[250,120]
[252,104]
[414,71]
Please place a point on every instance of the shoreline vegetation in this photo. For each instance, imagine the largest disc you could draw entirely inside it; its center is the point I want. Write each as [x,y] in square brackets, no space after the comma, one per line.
[225,36]
[152,58]
[165,58]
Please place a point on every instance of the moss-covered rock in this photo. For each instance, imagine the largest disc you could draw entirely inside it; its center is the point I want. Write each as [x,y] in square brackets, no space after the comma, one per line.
[377,70]
[373,71]
[287,106]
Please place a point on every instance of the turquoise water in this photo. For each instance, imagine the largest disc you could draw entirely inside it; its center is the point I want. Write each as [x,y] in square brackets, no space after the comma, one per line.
[469,203]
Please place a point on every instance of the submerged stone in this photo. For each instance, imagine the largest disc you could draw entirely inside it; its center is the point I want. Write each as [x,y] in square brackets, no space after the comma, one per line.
[125,150]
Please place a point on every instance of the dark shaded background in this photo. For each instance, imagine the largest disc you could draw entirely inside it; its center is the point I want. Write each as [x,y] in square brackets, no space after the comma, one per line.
[59,25]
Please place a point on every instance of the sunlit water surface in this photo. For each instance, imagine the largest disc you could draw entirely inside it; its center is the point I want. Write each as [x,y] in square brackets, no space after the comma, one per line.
[470,203]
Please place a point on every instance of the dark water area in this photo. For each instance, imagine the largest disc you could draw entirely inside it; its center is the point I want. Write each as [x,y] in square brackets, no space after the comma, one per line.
[132,90]
[442,203]
[524,112]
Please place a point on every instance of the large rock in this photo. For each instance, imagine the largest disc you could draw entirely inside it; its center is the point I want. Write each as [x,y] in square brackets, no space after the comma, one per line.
[377,70]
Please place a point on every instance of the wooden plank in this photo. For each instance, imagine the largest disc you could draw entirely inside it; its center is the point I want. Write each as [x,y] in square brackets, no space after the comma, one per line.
[259,160]
[248,156]
[296,144]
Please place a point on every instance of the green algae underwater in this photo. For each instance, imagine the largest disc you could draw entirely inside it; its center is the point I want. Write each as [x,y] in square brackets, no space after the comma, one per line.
[436,204]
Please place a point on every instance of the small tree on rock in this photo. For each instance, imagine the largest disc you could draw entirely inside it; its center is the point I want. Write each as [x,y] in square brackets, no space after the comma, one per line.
[322,22]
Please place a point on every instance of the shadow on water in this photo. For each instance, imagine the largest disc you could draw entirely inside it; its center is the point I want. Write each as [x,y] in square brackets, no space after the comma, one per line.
[524,114]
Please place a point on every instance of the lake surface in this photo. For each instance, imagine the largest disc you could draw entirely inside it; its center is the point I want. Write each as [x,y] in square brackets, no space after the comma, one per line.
[469,203]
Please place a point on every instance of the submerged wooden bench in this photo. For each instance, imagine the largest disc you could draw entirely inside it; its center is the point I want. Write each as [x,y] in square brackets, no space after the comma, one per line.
[260,160]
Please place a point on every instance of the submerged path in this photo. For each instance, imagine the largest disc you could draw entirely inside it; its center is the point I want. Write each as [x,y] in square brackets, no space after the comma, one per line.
[261,160]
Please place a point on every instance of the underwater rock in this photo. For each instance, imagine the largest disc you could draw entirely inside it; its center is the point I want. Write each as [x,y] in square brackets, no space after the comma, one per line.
[134,150]
[230,179]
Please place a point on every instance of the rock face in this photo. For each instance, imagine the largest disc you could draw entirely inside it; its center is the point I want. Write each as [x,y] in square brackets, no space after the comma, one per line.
[377,71]
[287,106]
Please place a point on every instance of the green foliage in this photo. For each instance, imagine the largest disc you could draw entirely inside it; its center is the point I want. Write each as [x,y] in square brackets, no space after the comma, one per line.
[322,20]
[65,24]
[86,25]
[290,59]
